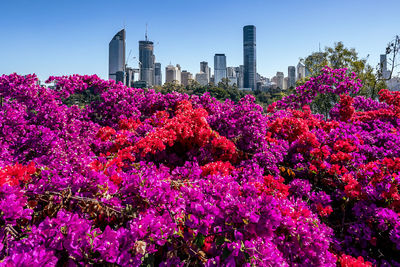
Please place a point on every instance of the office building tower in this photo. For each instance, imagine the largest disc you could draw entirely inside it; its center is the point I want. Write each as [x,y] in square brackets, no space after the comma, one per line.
[219,68]
[129,76]
[205,69]
[285,83]
[240,76]
[232,76]
[279,79]
[116,55]
[383,67]
[291,77]
[173,74]
[157,74]
[186,77]
[231,71]
[146,61]
[301,71]
[249,57]
[120,77]
[202,78]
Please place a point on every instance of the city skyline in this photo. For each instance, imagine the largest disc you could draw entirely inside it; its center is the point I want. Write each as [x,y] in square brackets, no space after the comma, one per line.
[65,40]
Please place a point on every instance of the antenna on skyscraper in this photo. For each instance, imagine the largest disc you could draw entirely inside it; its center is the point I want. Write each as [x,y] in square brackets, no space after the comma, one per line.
[146,32]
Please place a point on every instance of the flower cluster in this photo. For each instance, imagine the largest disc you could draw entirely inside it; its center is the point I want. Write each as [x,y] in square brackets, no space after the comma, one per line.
[137,178]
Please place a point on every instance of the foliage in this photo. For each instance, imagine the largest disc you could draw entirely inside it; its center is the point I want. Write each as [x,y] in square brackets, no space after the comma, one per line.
[339,57]
[139,177]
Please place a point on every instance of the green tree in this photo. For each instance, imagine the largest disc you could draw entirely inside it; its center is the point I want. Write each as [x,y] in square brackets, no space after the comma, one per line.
[338,57]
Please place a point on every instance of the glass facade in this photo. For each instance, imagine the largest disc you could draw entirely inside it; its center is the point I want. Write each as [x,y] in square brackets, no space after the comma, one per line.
[146,61]
[219,68]
[249,57]
[291,76]
[116,55]
[157,74]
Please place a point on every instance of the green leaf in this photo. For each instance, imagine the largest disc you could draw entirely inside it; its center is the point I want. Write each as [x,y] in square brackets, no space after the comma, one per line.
[220,240]
[199,240]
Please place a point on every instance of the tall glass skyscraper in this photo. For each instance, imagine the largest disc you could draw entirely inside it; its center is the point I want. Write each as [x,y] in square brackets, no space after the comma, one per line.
[146,61]
[116,55]
[249,57]
[291,76]
[157,74]
[219,68]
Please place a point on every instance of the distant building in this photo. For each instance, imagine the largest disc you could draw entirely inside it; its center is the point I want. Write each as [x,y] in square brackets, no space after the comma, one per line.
[146,61]
[232,75]
[120,77]
[205,69]
[157,74]
[285,83]
[279,79]
[301,71]
[393,84]
[249,57]
[383,67]
[219,68]
[240,76]
[116,56]
[291,77]
[140,84]
[129,76]
[173,74]
[231,71]
[202,78]
[186,77]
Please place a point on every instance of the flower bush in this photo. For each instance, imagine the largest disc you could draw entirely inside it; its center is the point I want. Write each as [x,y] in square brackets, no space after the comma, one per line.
[140,178]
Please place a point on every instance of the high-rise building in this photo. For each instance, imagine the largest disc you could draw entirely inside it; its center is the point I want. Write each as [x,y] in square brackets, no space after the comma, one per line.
[186,77]
[232,75]
[249,57]
[146,61]
[231,71]
[301,71]
[279,79]
[285,83]
[219,68]
[204,68]
[157,74]
[173,74]
[129,76]
[240,76]
[202,78]
[383,67]
[291,76]
[116,55]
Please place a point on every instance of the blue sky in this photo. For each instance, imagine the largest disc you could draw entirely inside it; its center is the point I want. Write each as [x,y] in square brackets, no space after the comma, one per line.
[67,37]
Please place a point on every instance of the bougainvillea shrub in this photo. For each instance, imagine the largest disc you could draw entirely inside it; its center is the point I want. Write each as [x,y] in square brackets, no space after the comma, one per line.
[140,178]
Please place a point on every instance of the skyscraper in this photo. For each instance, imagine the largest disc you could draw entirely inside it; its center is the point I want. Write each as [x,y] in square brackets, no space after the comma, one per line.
[202,78]
[129,76]
[291,76]
[173,74]
[185,77]
[219,68]
[249,57]
[116,56]
[157,74]
[285,83]
[146,61]
[279,79]
[240,76]
[301,71]
[383,66]
[205,69]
